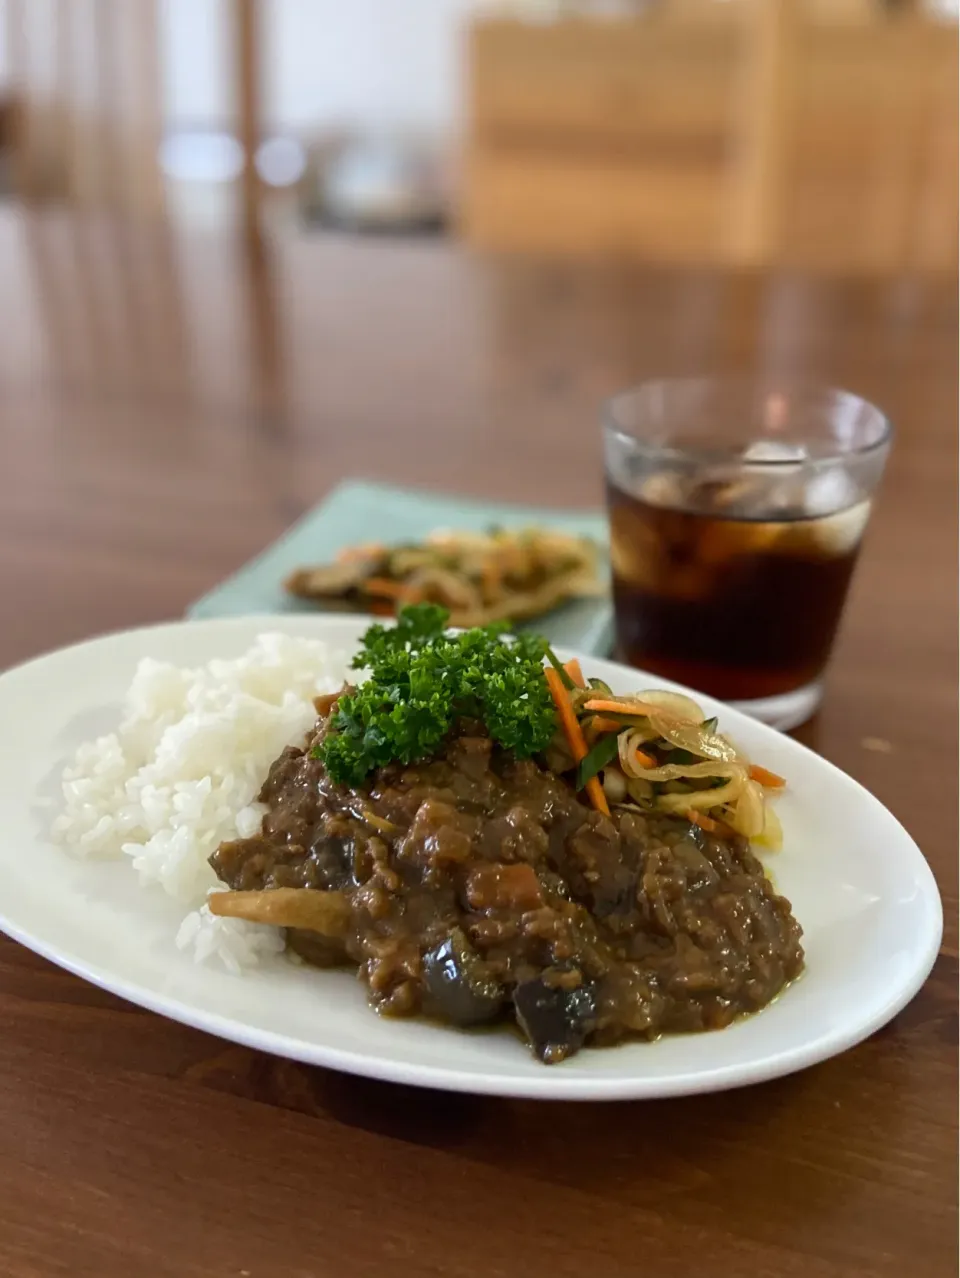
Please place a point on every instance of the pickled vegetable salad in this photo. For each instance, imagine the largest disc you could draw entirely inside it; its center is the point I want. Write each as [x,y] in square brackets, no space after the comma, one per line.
[652,750]
[655,750]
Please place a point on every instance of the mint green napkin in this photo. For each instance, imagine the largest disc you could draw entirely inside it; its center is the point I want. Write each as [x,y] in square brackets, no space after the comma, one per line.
[358,511]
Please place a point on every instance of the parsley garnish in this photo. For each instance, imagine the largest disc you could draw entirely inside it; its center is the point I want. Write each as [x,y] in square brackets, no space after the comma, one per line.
[422,680]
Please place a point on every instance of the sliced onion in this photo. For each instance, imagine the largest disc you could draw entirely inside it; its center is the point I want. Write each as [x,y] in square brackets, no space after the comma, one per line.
[695,739]
[674,704]
[772,834]
[614,785]
[628,743]
[747,814]
[702,800]
[680,771]
[639,726]
[680,723]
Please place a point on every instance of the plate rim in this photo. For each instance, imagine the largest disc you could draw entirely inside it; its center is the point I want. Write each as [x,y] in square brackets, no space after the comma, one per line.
[552,1084]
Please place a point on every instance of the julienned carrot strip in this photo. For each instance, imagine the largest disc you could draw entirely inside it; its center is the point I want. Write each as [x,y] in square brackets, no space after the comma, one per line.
[710,824]
[384,588]
[574,734]
[568,720]
[645,760]
[601,725]
[769,779]
[572,668]
[704,822]
[605,706]
[597,797]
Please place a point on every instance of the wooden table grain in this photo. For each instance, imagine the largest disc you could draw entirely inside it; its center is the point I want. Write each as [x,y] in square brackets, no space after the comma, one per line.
[169,405]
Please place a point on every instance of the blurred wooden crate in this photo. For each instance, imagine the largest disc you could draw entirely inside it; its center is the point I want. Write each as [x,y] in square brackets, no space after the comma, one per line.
[582,134]
[868,174]
[739,133]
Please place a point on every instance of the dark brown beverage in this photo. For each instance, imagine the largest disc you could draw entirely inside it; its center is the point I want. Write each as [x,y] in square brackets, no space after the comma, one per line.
[739,607]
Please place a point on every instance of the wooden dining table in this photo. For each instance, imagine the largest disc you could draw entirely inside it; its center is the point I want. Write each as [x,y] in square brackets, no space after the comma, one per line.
[169,403]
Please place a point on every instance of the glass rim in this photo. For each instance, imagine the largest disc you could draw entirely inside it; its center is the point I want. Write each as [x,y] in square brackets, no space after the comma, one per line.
[744,382]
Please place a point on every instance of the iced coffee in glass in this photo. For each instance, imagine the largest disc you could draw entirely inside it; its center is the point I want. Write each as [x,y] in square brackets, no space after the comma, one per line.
[737,510]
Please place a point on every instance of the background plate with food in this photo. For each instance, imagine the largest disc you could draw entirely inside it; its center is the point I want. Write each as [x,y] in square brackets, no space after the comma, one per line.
[861,889]
[571,607]
[509,575]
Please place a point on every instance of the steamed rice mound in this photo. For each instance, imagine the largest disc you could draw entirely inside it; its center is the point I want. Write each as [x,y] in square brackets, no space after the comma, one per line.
[182,773]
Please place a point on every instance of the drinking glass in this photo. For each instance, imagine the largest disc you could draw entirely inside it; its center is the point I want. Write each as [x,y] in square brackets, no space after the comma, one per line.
[737,509]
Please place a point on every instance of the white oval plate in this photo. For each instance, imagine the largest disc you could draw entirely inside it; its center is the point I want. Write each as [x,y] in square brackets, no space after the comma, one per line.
[859,885]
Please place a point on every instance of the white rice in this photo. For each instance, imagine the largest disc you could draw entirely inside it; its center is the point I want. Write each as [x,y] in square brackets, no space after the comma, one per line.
[182,773]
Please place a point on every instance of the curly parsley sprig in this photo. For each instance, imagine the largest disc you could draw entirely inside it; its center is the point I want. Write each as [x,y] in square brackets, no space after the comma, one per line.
[422,680]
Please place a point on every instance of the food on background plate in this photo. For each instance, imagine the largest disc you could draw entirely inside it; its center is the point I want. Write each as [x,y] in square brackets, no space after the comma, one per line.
[484,837]
[502,575]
